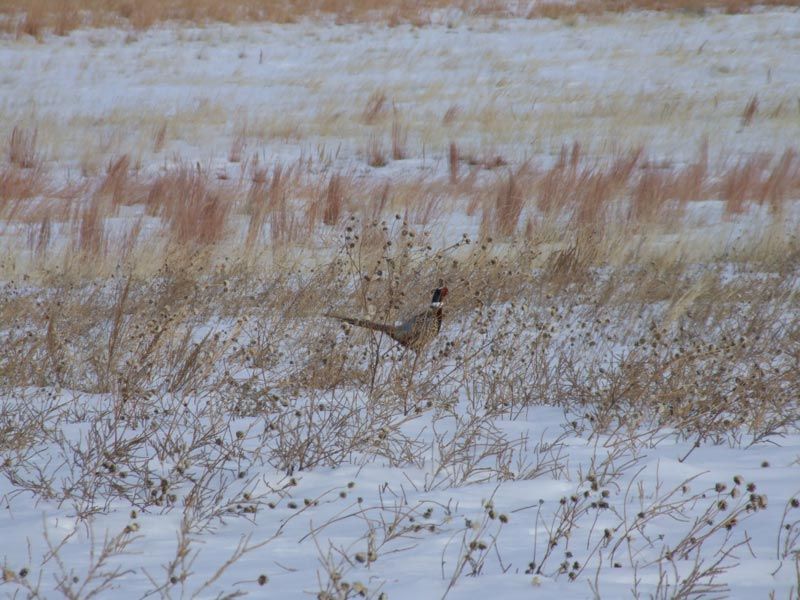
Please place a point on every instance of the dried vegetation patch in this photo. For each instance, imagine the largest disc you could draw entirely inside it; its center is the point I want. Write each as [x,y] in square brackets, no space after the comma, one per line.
[34,17]
[166,358]
[211,386]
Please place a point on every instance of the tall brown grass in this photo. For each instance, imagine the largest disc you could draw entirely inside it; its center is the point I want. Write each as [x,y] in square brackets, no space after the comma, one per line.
[257,209]
[195,212]
[509,202]
[452,162]
[91,232]
[284,205]
[374,152]
[399,136]
[334,200]
[33,17]
[750,111]
[22,147]
[374,108]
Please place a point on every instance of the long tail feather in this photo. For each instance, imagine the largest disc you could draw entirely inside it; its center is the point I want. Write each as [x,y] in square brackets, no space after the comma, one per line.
[390,329]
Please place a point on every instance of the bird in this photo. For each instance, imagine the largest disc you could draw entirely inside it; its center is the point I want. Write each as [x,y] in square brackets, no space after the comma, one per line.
[413,333]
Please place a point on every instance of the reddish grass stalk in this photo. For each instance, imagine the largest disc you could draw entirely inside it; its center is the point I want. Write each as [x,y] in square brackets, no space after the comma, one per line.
[450,114]
[18,183]
[22,148]
[375,155]
[649,196]
[91,242]
[238,144]
[374,108]
[33,24]
[116,180]
[281,221]
[195,213]
[258,207]
[750,111]
[399,137]
[740,182]
[691,182]
[452,163]
[383,200]
[159,137]
[784,179]
[334,200]
[67,18]
[39,238]
[509,202]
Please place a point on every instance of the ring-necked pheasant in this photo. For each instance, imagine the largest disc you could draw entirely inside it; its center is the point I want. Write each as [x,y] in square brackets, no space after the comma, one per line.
[412,333]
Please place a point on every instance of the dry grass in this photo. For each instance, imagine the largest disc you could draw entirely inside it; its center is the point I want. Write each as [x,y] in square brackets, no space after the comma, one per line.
[283,207]
[333,202]
[22,148]
[190,306]
[399,136]
[201,356]
[589,8]
[33,17]
[374,153]
[452,162]
[750,111]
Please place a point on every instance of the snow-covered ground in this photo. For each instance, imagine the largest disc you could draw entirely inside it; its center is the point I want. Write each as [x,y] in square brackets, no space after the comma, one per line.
[519,88]
[420,526]
[303,491]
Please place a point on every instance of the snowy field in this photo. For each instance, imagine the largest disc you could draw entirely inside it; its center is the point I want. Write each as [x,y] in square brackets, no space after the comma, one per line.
[611,407]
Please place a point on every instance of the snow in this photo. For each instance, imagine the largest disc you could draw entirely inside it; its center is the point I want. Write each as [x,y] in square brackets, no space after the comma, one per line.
[422,563]
[523,86]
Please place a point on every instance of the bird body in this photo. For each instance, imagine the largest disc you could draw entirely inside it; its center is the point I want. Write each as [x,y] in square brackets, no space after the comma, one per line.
[415,332]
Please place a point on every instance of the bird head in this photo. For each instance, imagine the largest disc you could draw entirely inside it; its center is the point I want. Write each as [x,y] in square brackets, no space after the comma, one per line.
[438,297]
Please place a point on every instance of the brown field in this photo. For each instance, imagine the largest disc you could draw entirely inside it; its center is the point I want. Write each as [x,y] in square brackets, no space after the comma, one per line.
[33,17]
